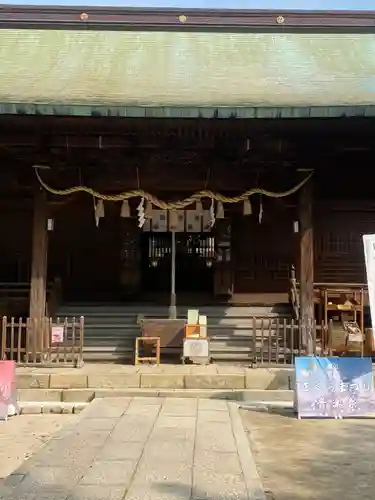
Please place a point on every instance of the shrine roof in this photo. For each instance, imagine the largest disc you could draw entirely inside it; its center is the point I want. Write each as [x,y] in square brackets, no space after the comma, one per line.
[186,74]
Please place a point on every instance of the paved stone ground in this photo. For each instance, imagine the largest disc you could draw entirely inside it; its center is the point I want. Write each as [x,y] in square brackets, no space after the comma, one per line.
[313,459]
[143,449]
[23,436]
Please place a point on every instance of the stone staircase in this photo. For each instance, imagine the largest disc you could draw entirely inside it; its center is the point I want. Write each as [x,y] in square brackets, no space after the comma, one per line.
[110,329]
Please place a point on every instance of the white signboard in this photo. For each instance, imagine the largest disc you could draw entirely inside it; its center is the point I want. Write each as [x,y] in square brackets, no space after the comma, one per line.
[196,348]
[369,246]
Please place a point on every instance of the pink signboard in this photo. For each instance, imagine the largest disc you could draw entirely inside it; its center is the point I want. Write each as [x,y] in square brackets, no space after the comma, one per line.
[8,392]
[57,334]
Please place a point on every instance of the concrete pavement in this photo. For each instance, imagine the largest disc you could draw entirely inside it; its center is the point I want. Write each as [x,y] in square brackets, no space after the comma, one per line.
[22,437]
[143,449]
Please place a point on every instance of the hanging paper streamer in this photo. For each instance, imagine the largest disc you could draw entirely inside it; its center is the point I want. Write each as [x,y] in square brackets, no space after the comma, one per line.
[99,211]
[148,210]
[220,210]
[198,207]
[212,214]
[247,209]
[125,209]
[173,220]
[261,211]
[141,213]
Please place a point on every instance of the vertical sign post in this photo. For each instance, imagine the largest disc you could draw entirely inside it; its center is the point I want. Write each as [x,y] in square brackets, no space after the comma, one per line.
[369,248]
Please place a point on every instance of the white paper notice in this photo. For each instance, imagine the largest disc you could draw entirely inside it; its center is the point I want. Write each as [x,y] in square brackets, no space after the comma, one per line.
[369,246]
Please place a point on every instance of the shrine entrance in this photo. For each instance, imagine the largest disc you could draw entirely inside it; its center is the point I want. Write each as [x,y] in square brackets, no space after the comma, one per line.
[194,262]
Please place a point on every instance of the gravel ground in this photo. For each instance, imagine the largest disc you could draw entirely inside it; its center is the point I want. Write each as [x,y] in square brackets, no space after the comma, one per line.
[22,436]
[313,459]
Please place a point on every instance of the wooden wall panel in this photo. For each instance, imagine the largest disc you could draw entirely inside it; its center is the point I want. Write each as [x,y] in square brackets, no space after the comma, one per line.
[263,252]
[15,244]
[86,257]
[339,256]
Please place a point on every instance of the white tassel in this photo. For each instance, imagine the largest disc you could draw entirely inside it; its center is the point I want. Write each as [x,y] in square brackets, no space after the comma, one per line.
[220,210]
[198,207]
[100,208]
[212,214]
[261,212]
[99,211]
[141,213]
[125,209]
[148,210]
[173,219]
[247,209]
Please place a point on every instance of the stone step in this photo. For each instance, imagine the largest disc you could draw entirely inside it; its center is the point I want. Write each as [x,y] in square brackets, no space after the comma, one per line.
[227,335]
[110,329]
[152,311]
[265,326]
[63,398]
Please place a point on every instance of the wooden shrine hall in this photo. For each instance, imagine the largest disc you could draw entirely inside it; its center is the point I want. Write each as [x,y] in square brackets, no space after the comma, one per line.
[310,206]
[167,164]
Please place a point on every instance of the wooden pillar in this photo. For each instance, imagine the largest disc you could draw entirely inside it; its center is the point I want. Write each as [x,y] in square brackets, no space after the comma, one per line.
[306,266]
[39,258]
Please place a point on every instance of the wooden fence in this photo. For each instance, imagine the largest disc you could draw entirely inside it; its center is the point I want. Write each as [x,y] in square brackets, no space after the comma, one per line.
[279,341]
[46,342]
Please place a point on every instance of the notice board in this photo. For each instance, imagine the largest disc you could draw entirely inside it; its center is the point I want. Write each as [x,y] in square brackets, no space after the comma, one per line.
[334,387]
[8,391]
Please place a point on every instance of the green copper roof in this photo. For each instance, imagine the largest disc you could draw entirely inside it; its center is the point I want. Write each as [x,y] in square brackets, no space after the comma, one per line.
[186,74]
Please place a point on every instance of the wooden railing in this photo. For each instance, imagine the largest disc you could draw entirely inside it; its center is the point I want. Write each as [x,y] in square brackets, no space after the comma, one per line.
[47,342]
[279,341]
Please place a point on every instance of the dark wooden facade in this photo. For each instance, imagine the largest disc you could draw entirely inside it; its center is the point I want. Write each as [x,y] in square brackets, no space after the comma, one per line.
[172,160]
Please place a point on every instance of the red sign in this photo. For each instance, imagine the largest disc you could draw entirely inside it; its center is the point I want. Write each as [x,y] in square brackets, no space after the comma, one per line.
[8,393]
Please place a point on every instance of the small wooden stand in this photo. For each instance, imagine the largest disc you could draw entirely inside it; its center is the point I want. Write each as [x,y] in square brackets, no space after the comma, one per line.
[346,302]
[156,358]
[344,318]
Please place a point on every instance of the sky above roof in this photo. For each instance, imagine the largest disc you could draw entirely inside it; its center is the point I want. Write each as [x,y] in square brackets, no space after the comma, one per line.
[359,5]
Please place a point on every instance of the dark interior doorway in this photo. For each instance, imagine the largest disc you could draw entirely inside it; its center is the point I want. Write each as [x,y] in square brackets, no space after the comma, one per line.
[194,262]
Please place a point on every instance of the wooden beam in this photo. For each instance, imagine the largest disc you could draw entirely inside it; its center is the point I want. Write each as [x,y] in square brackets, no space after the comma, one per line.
[306,265]
[112,18]
[39,258]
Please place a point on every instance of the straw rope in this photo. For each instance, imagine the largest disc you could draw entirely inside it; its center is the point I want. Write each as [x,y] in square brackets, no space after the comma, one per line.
[164,205]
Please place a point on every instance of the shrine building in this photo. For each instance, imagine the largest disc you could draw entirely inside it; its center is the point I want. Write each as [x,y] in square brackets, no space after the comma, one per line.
[248,136]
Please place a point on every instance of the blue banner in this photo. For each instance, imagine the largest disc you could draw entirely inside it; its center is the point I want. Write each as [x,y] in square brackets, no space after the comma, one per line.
[282,5]
[334,387]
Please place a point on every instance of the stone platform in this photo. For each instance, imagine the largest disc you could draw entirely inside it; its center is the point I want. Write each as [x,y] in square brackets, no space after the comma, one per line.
[108,376]
[73,385]
[143,449]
